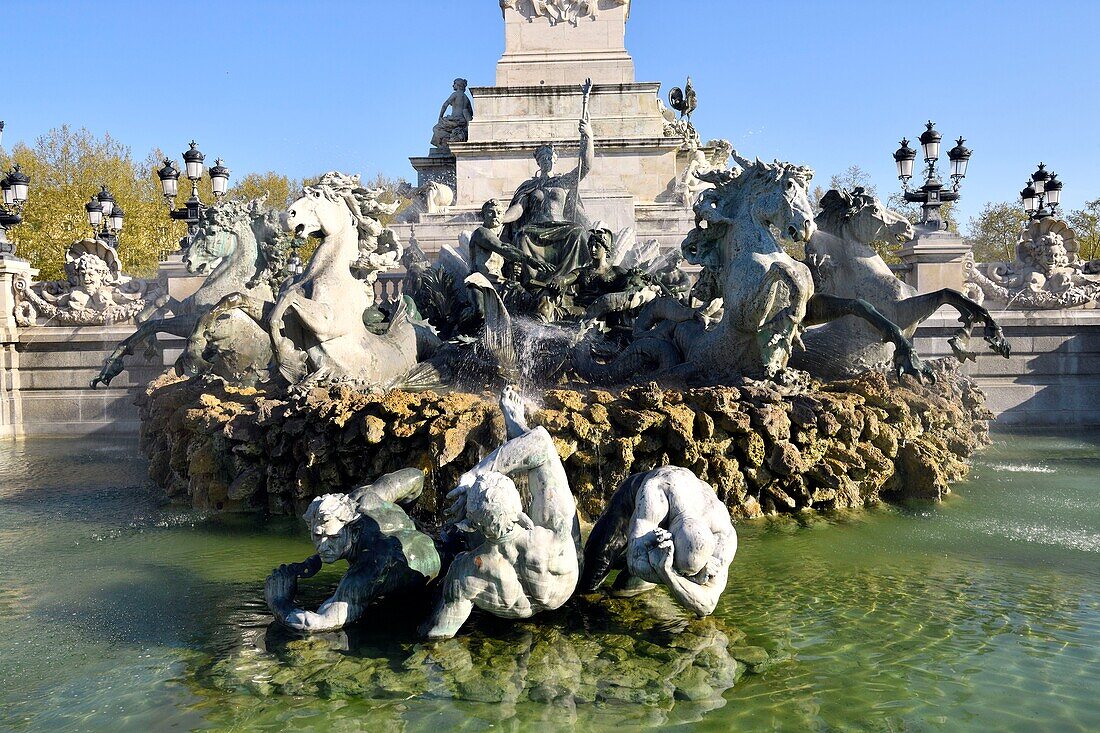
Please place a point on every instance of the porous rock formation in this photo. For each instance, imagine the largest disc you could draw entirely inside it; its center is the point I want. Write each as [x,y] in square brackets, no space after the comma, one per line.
[764,448]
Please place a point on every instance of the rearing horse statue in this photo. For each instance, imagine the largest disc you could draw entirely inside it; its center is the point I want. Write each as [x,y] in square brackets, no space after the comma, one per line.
[844,265]
[239,244]
[768,296]
[317,325]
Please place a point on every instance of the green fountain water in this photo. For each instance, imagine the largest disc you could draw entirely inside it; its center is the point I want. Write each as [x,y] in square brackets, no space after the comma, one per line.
[979,614]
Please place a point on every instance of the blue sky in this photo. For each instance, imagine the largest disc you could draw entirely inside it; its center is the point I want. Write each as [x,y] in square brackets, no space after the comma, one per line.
[303,87]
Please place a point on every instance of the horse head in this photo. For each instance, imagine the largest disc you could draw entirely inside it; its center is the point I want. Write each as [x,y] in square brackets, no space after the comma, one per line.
[769,195]
[859,216]
[777,195]
[220,230]
[324,208]
[338,203]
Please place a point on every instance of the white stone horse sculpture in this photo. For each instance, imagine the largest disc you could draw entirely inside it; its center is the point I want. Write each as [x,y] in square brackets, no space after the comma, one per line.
[317,325]
[845,266]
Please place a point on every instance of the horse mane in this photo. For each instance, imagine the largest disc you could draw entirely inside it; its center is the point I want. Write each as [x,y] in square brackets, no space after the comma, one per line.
[839,206]
[730,183]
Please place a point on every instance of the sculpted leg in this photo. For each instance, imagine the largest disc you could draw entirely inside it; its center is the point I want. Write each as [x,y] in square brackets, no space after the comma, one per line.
[177,326]
[825,308]
[912,311]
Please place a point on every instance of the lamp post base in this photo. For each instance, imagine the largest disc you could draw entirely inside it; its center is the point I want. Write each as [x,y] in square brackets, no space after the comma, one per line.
[936,260]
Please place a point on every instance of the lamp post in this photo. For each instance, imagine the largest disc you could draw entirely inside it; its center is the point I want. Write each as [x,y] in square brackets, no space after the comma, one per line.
[191,211]
[1041,194]
[932,194]
[105,217]
[15,186]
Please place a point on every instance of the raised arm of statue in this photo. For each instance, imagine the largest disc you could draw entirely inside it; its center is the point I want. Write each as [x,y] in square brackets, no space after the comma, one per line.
[588,140]
[588,149]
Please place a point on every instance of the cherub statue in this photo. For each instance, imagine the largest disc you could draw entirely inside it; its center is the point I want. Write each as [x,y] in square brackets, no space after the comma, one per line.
[522,559]
[454,127]
[385,551]
[91,284]
[664,527]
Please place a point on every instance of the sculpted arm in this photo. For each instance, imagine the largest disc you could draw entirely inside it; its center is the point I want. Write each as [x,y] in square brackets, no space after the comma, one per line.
[588,149]
[698,597]
[446,104]
[338,611]
[514,211]
[650,509]
[702,596]
[493,243]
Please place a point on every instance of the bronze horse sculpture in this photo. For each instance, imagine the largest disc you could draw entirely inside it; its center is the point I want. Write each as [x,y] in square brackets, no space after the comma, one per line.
[242,247]
[769,298]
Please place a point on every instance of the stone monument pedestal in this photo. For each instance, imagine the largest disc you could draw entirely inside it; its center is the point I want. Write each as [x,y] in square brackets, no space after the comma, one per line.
[550,49]
[11,404]
[176,280]
[936,260]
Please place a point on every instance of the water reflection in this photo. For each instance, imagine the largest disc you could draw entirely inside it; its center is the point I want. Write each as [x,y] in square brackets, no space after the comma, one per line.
[639,661]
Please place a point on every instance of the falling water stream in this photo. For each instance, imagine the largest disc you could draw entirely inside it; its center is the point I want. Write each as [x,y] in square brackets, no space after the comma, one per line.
[123,613]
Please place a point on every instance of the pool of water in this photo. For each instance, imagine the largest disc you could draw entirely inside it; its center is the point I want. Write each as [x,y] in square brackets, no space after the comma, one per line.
[122,613]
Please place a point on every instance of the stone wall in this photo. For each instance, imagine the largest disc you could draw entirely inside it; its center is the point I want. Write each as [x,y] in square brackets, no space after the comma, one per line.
[56,365]
[845,444]
[1053,377]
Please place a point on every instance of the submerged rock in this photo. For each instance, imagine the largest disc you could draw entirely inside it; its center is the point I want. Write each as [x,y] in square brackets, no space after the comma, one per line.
[764,448]
[596,650]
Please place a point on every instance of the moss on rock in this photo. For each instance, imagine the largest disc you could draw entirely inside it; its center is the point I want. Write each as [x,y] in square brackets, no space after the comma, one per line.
[763,448]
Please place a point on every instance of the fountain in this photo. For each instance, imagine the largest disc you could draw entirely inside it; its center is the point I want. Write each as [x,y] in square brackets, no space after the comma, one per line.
[699,413]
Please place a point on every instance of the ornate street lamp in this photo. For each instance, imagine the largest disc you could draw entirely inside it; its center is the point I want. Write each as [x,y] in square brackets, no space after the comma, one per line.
[105,217]
[1029,197]
[1042,194]
[904,157]
[15,187]
[931,195]
[1053,192]
[94,211]
[960,158]
[191,211]
[1,131]
[219,178]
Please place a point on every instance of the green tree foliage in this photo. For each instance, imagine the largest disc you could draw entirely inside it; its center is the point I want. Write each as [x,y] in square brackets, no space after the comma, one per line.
[993,233]
[66,167]
[279,189]
[1086,225]
[853,177]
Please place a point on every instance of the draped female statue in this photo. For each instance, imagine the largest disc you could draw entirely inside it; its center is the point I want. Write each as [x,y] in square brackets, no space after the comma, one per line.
[546,218]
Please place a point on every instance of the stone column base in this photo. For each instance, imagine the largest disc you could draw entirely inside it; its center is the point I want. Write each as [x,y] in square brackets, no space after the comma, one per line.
[936,260]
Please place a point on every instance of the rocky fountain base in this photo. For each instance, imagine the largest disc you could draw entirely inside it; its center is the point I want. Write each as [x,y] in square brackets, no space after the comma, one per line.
[764,448]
